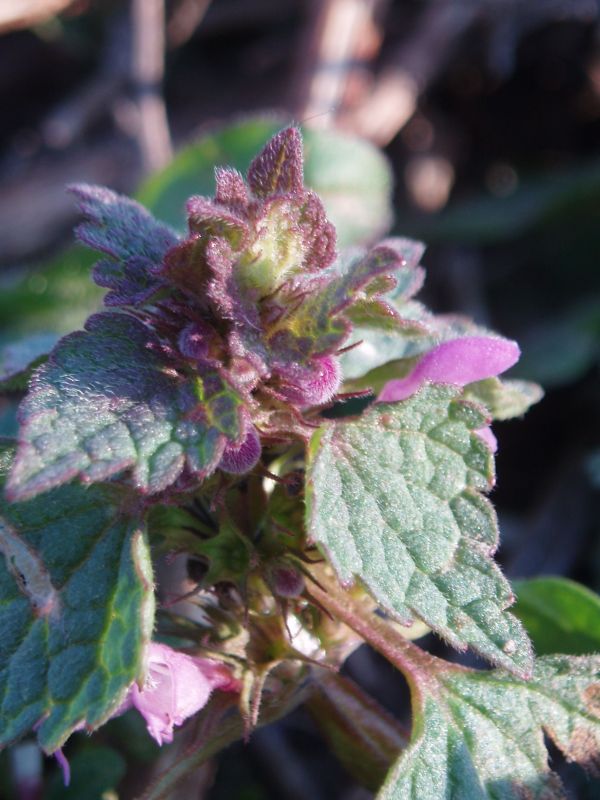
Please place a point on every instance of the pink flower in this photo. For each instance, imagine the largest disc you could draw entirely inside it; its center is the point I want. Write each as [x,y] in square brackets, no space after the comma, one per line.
[176,687]
[457,362]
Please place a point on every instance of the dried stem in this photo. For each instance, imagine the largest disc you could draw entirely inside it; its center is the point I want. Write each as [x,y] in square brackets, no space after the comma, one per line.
[391,102]
[332,52]
[148,22]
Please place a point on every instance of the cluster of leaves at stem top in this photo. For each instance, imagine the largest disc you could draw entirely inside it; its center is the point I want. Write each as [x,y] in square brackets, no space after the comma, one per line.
[214,361]
[222,339]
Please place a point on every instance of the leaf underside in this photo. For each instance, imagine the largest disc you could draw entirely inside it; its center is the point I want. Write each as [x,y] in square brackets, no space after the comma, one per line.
[394,498]
[480,735]
[76,608]
[504,399]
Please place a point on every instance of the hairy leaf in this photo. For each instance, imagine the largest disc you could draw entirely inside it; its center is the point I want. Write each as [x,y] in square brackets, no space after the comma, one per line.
[350,175]
[504,399]
[134,241]
[394,499]
[278,168]
[319,324]
[480,735]
[106,401]
[76,608]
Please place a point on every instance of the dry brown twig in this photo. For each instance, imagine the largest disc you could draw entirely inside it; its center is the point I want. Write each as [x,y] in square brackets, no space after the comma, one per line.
[391,101]
[335,83]
[148,23]
[340,40]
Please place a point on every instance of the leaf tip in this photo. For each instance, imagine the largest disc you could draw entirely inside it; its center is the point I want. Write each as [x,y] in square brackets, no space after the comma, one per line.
[279,167]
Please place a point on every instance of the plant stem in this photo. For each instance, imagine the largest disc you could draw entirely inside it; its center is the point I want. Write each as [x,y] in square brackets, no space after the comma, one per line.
[416,665]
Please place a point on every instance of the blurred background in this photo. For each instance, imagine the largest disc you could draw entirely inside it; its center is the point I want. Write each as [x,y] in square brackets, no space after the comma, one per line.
[488,113]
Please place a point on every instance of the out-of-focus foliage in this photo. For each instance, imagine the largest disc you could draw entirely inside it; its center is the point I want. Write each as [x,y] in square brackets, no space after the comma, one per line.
[561,616]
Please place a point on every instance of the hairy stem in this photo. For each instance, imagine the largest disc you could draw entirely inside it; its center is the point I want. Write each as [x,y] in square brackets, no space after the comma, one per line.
[416,665]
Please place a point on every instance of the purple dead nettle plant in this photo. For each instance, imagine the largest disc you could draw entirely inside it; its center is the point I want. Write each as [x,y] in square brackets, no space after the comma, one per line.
[210,410]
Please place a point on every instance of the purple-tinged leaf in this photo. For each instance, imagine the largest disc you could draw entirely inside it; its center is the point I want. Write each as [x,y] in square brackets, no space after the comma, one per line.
[377,314]
[135,242]
[185,266]
[292,238]
[277,251]
[240,459]
[318,234]
[228,300]
[310,385]
[231,188]
[208,219]
[375,311]
[203,267]
[219,405]
[107,401]
[279,168]
[319,323]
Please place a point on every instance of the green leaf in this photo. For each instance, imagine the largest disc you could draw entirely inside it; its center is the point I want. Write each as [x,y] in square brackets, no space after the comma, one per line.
[105,402]
[350,175]
[479,735]
[76,608]
[394,499]
[56,297]
[376,350]
[561,616]
[504,399]
[19,359]
[320,317]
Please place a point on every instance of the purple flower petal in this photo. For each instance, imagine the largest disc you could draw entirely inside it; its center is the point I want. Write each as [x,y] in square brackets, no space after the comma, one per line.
[456,362]
[63,763]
